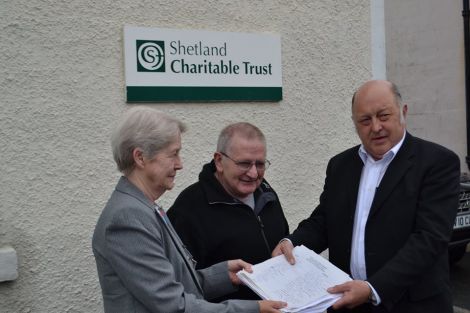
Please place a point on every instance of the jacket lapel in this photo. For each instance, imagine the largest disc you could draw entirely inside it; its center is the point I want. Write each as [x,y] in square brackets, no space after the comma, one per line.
[395,172]
[181,249]
[355,178]
[125,186]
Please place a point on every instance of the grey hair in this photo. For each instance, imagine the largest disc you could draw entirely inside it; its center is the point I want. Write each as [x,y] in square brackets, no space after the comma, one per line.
[145,128]
[243,129]
[397,94]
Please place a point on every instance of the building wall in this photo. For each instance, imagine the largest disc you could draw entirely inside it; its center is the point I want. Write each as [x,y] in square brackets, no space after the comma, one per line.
[62,88]
[425,57]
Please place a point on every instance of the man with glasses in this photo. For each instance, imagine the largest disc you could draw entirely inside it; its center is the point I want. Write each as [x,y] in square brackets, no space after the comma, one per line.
[231,212]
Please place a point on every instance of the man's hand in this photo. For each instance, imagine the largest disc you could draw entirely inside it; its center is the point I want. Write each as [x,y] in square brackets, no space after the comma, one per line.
[269,306]
[237,265]
[285,247]
[355,293]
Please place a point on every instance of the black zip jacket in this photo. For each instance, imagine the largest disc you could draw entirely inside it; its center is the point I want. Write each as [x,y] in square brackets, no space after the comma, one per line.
[216,227]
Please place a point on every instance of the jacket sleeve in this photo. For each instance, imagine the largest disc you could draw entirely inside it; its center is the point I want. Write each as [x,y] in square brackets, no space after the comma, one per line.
[215,281]
[135,251]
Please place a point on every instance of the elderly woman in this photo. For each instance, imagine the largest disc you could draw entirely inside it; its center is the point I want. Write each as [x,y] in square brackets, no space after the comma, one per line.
[142,264]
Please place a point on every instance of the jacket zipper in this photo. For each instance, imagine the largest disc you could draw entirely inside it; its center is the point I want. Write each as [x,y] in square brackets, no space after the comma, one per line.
[264,235]
[260,224]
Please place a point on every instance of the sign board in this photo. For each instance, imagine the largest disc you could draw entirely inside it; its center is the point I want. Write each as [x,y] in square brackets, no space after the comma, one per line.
[189,65]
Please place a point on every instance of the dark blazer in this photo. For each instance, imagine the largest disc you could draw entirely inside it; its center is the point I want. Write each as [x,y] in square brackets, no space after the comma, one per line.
[143,267]
[408,227]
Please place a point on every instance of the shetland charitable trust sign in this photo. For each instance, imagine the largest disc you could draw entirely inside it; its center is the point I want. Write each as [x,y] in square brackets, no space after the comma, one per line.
[189,65]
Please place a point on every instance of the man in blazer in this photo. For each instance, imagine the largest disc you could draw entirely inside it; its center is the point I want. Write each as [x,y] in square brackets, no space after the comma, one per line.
[386,212]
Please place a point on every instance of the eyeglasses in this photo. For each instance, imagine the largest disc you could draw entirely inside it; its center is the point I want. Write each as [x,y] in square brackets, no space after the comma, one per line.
[246,165]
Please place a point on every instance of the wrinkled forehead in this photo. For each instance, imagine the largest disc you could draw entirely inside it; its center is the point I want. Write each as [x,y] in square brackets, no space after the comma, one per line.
[374,98]
[242,144]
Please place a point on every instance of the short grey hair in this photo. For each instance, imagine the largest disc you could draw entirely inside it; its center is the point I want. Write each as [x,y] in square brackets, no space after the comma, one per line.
[145,128]
[243,129]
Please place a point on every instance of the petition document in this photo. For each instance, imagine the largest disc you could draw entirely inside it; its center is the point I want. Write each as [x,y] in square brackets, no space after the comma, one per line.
[302,285]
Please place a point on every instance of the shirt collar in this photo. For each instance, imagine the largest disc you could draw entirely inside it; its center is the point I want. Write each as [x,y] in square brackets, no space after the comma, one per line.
[389,155]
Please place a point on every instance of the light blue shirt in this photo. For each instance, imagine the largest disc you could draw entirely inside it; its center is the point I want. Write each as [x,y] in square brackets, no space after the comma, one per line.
[371,176]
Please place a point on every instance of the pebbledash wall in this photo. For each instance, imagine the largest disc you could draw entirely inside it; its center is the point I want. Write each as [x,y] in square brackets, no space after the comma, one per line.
[62,88]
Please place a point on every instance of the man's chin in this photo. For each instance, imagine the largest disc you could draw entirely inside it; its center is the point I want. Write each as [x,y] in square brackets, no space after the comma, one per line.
[248,189]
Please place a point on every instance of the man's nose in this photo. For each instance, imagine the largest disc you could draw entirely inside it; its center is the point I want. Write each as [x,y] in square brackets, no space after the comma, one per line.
[376,125]
[253,171]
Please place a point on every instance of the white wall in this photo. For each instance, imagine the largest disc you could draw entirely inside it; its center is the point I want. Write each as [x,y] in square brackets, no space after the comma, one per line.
[62,88]
[425,57]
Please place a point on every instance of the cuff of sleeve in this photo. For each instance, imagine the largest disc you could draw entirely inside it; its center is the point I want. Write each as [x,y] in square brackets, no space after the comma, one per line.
[374,297]
[285,239]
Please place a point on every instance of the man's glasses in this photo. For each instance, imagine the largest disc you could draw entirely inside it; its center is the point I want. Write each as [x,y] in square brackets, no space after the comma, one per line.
[246,165]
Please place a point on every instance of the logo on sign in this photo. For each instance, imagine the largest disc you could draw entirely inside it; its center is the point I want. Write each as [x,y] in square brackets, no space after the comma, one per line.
[150,56]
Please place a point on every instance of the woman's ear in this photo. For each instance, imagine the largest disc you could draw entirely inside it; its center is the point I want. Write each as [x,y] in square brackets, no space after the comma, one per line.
[138,156]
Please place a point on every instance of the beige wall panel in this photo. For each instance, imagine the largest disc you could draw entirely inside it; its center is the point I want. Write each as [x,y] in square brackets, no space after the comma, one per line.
[425,57]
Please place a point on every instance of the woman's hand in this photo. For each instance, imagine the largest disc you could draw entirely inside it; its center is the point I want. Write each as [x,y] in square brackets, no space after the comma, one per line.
[237,265]
[270,306]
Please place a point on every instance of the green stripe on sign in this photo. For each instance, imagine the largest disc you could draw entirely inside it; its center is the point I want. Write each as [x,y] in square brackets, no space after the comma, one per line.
[167,94]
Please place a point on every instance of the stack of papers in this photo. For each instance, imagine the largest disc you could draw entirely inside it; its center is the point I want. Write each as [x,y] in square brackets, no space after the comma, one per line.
[302,285]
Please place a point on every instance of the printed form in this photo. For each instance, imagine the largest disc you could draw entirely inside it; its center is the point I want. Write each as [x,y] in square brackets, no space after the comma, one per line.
[302,285]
